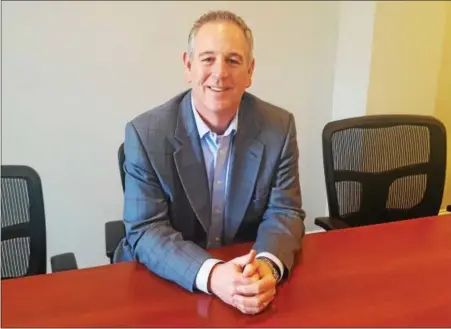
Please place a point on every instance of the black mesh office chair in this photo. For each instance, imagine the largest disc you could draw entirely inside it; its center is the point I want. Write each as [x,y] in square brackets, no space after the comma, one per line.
[24,250]
[383,168]
[115,230]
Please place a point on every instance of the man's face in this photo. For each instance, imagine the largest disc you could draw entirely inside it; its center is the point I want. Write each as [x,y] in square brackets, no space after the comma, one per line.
[219,70]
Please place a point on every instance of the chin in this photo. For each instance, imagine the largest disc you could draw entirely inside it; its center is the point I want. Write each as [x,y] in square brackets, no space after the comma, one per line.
[219,106]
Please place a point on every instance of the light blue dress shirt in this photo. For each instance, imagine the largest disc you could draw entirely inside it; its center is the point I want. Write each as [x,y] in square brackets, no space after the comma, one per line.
[216,150]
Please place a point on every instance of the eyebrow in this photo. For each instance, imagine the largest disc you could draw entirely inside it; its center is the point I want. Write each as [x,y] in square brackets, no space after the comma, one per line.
[232,54]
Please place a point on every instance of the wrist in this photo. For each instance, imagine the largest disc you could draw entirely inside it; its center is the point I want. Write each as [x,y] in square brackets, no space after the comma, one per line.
[273,267]
[210,286]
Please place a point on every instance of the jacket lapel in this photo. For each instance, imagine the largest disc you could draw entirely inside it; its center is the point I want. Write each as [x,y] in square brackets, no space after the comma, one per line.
[190,163]
[244,165]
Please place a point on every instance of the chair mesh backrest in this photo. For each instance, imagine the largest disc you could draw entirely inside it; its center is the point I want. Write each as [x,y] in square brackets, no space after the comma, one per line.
[15,210]
[18,226]
[382,167]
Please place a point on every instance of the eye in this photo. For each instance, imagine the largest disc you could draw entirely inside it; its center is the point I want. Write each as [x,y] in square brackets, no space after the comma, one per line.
[233,61]
[208,60]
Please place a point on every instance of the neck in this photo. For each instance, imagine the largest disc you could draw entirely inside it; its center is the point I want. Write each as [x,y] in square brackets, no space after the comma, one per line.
[216,121]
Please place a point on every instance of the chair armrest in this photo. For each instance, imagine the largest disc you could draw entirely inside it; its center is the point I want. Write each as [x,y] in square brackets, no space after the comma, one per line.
[330,223]
[114,232]
[63,262]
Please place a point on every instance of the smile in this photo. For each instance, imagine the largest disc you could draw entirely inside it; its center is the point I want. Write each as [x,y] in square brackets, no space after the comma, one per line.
[218,89]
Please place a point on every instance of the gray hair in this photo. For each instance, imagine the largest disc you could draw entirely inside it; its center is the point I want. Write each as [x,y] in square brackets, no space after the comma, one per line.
[217,16]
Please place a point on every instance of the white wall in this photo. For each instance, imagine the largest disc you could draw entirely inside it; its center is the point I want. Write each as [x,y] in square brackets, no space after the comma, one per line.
[353,60]
[75,72]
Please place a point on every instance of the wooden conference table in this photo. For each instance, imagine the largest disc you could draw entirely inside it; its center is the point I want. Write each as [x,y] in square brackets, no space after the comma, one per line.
[396,274]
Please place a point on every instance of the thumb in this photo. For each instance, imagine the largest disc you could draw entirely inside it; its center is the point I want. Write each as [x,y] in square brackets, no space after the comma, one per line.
[246,259]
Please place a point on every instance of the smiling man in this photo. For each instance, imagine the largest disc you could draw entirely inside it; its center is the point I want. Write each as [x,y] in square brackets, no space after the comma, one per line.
[214,166]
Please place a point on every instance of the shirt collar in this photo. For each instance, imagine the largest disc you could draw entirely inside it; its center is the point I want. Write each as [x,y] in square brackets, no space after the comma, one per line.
[202,127]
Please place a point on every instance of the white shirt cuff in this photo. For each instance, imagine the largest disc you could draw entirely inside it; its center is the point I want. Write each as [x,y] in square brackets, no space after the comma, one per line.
[274,259]
[204,274]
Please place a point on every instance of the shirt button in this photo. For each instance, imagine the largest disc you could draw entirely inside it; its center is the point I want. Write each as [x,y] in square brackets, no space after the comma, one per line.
[217,239]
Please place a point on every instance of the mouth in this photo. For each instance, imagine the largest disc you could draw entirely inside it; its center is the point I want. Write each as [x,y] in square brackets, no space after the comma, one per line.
[218,89]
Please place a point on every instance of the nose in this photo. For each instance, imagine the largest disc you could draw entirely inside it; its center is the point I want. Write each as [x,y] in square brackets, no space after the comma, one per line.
[220,69]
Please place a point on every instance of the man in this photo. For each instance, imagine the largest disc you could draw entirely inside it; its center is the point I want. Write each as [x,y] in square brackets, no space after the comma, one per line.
[214,166]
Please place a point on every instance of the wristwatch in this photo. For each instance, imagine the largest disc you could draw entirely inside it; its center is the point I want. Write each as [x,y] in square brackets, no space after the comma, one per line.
[274,268]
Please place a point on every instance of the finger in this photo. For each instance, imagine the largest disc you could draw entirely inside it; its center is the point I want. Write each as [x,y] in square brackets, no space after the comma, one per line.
[240,280]
[250,269]
[246,259]
[250,310]
[255,303]
[255,278]
[266,283]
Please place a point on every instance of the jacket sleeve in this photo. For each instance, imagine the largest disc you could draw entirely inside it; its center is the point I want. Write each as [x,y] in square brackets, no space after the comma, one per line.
[153,241]
[282,228]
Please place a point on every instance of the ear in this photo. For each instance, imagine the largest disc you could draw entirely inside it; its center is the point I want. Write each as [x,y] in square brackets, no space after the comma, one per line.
[250,71]
[187,65]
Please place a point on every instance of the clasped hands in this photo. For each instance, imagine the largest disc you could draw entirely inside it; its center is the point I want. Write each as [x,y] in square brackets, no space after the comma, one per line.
[245,282]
